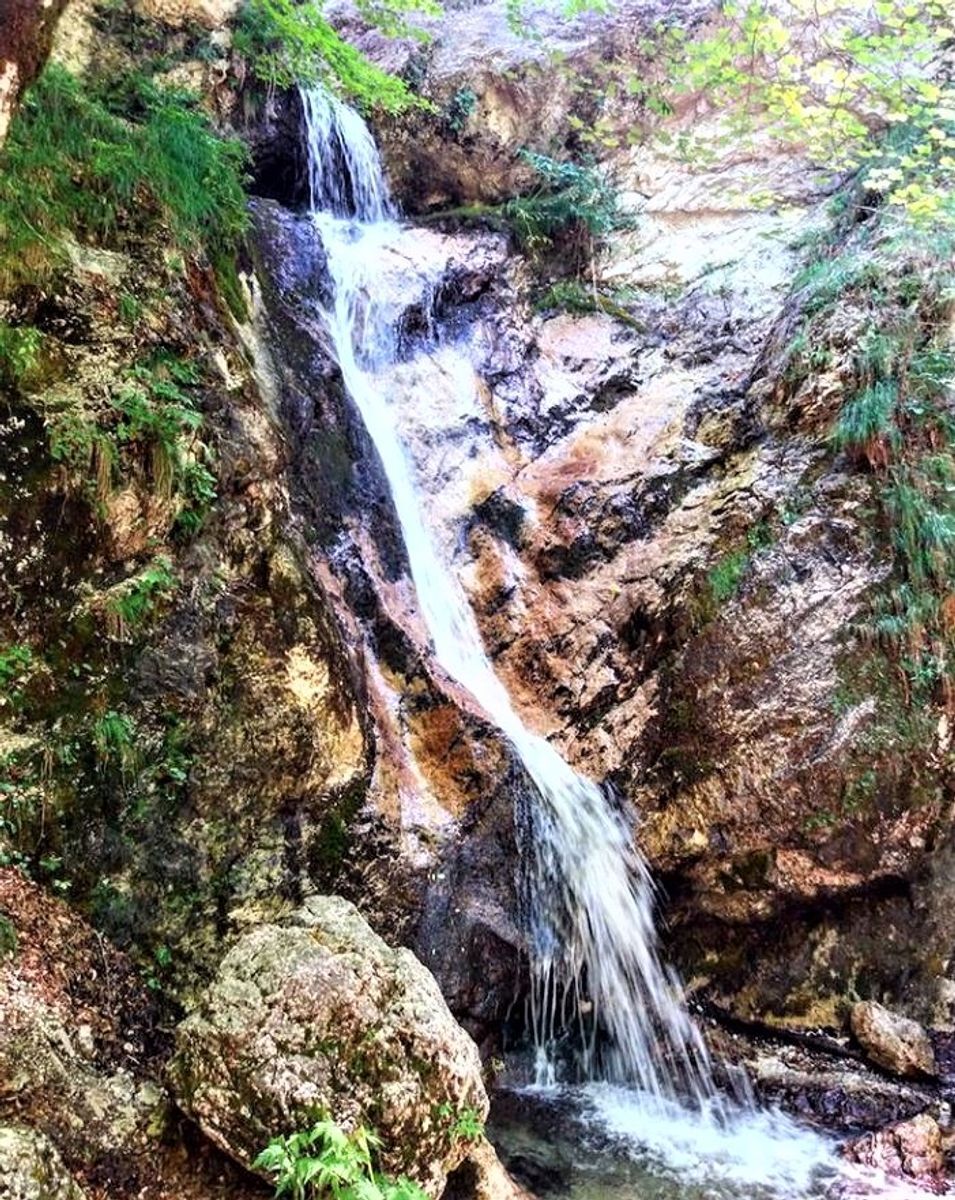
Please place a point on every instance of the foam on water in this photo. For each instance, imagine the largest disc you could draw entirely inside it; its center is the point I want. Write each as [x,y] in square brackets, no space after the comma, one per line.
[746,1150]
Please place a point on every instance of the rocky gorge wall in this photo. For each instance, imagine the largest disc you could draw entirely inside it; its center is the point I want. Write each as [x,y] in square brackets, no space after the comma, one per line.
[669,562]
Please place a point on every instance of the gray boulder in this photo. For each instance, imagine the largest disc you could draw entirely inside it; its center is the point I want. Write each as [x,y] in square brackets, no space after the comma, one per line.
[320,1016]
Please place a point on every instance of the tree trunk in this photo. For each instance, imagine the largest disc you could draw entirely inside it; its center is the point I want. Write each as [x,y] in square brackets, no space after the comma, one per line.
[26,31]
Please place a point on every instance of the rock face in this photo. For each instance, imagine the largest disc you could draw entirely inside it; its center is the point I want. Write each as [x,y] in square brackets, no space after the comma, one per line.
[26,34]
[670,565]
[31,1169]
[496,91]
[912,1149]
[80,1064]
[321,1016]
[892,1042]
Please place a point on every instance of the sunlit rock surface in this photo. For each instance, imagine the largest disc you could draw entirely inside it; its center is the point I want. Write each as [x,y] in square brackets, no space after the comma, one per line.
[321,1016]
[670,565]
[892,1042]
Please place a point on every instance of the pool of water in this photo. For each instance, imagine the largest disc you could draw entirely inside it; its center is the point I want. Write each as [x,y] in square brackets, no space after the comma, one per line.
[602,1142]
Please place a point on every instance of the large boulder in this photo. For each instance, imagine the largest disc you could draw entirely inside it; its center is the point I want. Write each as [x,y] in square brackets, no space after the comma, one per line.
[321,1016]
[913,1149]
[892,1042]
[31,1168]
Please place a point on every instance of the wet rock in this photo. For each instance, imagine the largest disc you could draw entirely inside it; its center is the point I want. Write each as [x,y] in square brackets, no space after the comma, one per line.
[913,1149]
[482,1177]
[31,1168]
[893,1042]
[321,1015]
[835,1094]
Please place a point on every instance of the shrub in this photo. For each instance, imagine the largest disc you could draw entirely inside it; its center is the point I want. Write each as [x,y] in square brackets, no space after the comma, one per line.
[324,1161]
[572,203]
[288,44]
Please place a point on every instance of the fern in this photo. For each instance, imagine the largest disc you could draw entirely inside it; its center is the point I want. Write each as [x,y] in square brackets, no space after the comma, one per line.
[324,1161]
[129,607]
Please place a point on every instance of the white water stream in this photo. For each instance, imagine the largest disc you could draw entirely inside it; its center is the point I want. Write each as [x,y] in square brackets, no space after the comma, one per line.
[592,938]
[592,942]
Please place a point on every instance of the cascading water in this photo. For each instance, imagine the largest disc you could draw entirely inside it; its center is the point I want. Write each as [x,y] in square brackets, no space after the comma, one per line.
[587,892]
[589,896]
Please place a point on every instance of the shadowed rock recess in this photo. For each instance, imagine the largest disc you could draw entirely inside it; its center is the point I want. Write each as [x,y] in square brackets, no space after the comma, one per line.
[260,854]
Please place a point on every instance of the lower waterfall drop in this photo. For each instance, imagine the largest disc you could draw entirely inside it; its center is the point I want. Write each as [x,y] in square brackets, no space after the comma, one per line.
[592,942]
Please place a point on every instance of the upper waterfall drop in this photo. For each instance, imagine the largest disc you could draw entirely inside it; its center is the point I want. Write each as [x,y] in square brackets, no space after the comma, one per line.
[588,894]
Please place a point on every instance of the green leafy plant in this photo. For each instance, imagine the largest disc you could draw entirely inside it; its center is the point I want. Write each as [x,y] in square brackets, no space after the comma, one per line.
[19,351]
[571,203]
[21,801]
[16,662]
[93,157]
[129,605]
[86,452]
[158,414]
[832,78]
[459,109]
[8,938]
[325,1161]
[114,739]
[466,1124]
[896,421]
[288,44]
[152,419]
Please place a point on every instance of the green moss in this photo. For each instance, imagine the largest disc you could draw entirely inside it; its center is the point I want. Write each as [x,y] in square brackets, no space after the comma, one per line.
[329,847]
[725,578]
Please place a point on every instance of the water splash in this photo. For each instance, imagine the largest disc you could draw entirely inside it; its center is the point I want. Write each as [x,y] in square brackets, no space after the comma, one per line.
[587,893]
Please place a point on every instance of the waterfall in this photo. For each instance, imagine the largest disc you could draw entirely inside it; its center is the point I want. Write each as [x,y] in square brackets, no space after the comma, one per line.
[589,898]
